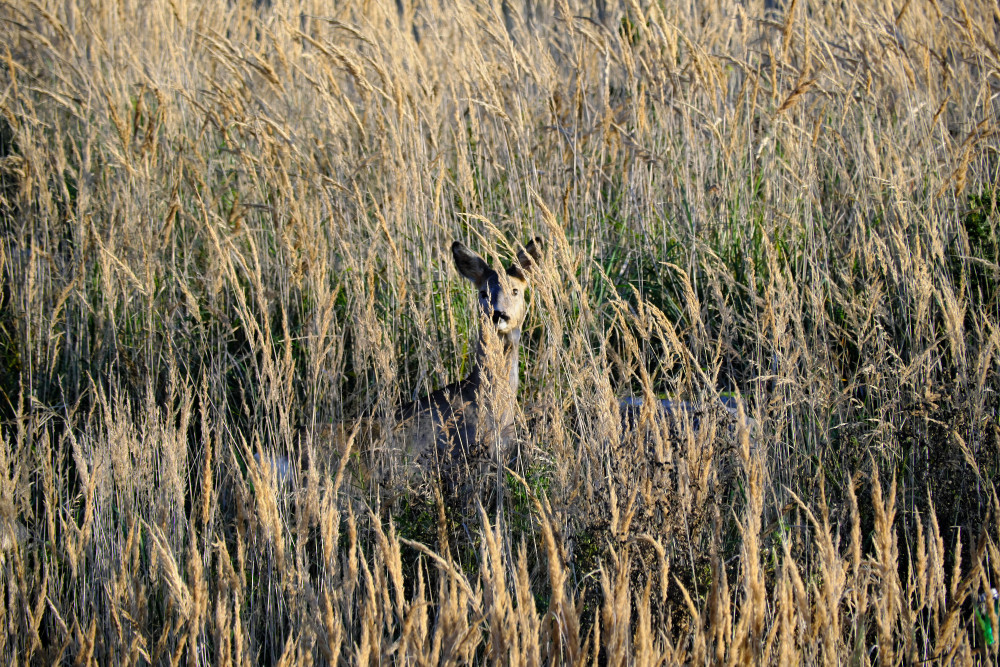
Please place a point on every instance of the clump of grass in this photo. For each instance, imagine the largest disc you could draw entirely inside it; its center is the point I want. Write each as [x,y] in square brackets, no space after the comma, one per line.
[225,245]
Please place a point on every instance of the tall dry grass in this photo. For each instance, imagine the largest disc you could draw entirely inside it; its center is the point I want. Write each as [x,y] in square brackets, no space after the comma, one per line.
[225,232]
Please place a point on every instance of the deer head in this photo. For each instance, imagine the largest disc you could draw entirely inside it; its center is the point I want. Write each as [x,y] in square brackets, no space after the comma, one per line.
[501,295]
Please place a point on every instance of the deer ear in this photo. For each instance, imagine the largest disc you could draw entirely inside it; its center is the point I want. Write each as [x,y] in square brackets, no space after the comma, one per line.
[468,263]
[530,255]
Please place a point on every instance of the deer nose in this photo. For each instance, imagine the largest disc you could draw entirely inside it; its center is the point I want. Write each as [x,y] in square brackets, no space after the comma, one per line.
[499,315]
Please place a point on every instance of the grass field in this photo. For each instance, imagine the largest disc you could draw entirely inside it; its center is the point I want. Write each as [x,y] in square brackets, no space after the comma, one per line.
[225,232]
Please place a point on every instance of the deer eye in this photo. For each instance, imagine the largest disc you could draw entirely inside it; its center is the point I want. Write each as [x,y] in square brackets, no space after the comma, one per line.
[514,292]
[482,294]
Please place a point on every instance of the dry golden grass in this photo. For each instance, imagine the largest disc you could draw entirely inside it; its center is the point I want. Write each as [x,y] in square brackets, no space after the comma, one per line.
[224,233]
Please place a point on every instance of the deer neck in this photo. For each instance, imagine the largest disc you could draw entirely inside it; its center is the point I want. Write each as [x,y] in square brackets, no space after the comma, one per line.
[508,368]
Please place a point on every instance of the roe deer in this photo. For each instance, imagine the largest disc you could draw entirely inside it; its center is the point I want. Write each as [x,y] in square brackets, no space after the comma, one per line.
[473,418]
[457,425]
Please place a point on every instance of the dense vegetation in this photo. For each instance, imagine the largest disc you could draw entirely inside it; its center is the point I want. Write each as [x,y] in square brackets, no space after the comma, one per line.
[224,231]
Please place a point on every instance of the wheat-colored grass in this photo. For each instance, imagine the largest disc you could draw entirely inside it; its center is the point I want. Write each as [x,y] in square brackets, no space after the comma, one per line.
[224,234]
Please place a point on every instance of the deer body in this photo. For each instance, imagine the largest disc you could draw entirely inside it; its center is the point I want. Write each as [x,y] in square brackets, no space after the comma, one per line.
[472,419]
